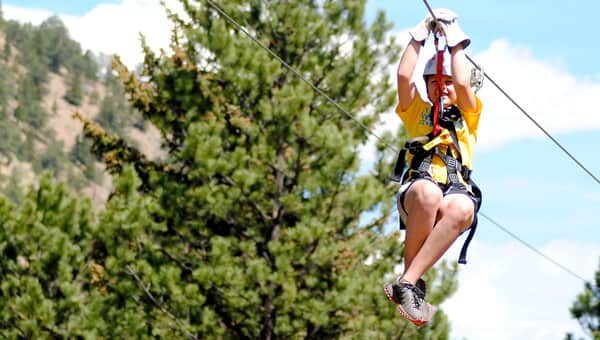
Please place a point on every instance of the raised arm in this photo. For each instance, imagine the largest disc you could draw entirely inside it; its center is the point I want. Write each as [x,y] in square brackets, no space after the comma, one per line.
[457,41]
[461,77]
[407,89]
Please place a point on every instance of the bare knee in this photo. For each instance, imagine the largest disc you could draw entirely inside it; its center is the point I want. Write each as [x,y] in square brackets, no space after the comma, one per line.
[460,210]
[425,195]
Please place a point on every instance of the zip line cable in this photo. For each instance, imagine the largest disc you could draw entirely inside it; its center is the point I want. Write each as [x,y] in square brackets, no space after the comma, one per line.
[369,131]
[532,248]
[554,140]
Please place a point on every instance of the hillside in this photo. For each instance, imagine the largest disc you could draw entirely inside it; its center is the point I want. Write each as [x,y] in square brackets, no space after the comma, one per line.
[46,78]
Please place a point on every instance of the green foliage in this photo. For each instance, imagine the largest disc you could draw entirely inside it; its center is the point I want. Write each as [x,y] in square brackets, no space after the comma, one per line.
[29,109]
[74,93]
[11,187]
[6,52]
[6,89]
[12,140]
[55,44]
[23,36]
[49,45]
[94,97]
[43,267]
[586,308]
[115,112]
[81,156]
[25,151]
[52,159]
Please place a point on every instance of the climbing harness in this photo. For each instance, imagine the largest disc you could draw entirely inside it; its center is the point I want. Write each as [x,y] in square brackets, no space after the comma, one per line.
[424,148]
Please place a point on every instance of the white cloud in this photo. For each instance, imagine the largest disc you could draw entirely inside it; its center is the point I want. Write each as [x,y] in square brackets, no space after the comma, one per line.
[506,291]
[33,16]
[112,28]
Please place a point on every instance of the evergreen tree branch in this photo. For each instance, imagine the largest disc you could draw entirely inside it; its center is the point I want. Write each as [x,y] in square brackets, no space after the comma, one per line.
[263,216]
[149,294]
[14,312]
[181,264]
[117,153]
[216,303]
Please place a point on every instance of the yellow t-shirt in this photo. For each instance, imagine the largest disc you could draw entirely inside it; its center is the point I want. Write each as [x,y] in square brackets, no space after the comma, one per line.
[418,122]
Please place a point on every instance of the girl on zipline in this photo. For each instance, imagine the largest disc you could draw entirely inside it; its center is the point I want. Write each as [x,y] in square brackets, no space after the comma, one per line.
[437,200]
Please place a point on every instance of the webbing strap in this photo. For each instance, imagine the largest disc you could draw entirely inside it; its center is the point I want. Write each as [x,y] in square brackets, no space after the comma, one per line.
[399,167]
[414,146]
[462,258]
[451,168]
[448,120]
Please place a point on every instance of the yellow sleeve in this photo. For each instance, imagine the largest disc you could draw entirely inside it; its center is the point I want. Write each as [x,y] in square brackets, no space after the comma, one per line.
[472,118]
[411,116]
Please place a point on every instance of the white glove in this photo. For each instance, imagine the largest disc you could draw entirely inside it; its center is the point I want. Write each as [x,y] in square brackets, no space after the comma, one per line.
[421,32]
[447,23]
[444,14]
[454,34]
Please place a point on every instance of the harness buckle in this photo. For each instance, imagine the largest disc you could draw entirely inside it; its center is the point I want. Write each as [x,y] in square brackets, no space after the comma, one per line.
[443,138]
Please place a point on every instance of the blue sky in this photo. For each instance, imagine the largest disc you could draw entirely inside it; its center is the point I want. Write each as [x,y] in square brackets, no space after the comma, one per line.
[543,56]
[70,7]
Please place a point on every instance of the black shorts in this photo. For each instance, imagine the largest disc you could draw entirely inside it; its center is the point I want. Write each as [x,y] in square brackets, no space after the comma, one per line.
[473,193]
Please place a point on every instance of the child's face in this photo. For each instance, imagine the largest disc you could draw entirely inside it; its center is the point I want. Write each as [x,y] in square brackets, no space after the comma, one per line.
[448,92]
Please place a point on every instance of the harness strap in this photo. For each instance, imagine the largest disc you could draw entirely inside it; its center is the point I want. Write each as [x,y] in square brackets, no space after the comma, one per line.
[448,121]
[451,166]
[462,257]
[415,147]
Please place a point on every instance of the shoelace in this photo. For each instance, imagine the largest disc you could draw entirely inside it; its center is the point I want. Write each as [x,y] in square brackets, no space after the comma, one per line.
[418,296]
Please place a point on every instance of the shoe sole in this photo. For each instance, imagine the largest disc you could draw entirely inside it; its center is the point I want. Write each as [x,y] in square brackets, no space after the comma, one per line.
[387,288]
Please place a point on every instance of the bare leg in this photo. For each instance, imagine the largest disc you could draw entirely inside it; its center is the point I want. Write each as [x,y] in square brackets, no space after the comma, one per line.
[456,215]
[422,202]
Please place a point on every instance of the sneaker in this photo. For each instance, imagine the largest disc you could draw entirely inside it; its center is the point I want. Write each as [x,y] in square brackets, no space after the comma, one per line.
[410,301]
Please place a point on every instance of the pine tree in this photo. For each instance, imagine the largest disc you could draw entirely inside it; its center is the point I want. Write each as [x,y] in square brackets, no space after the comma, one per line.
[29,107]
[80,155]
[74,94]
[53,42]
[586,308]
[257,224]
